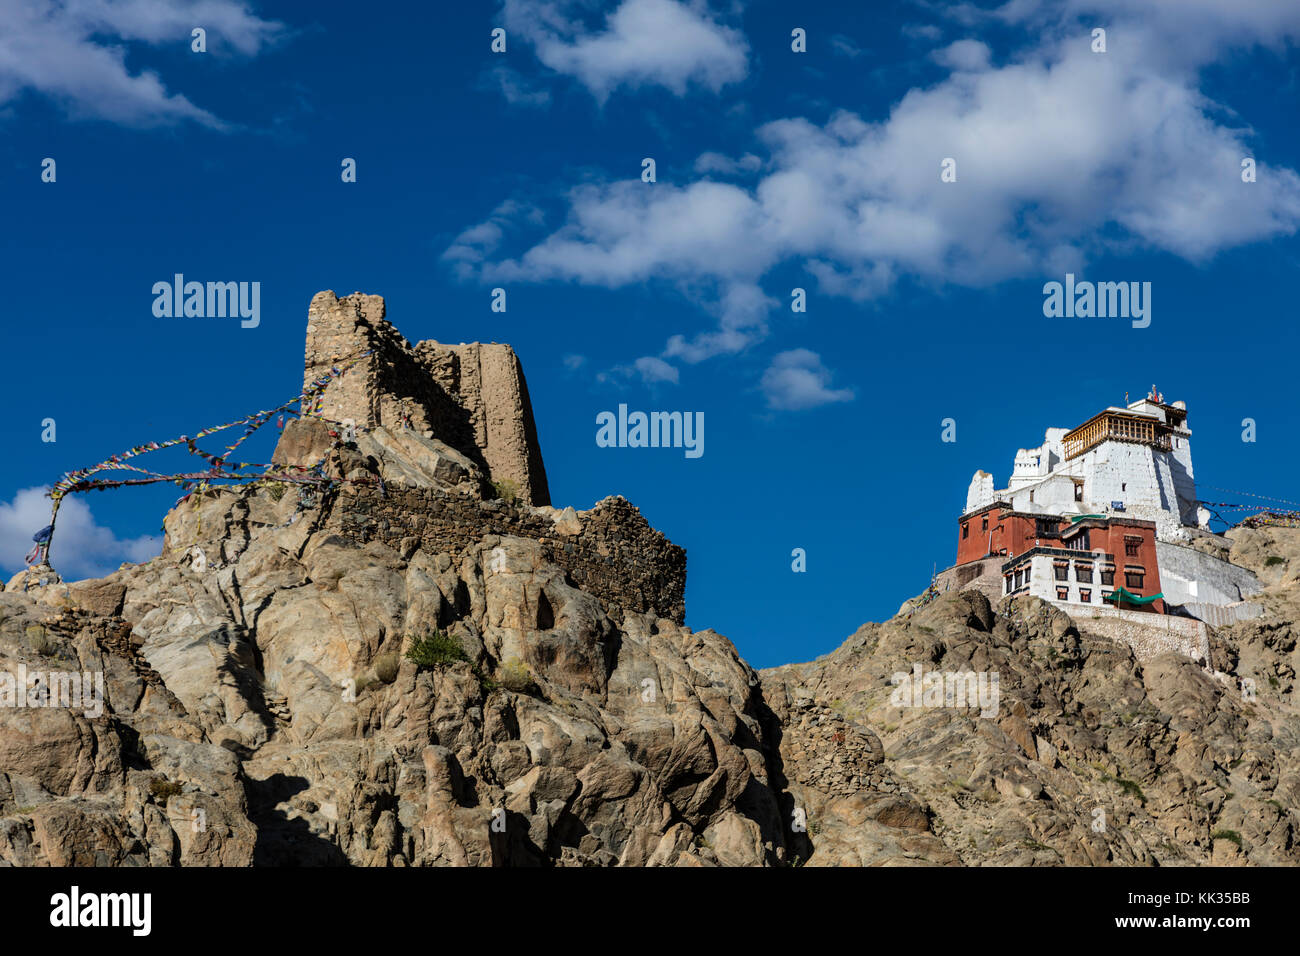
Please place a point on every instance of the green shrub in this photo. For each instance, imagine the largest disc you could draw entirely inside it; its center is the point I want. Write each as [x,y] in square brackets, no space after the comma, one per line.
[386,667]
[1232,835]
[514,675]
[435,650]
[1128,786]
[1273,559]
[506,490]
[39,640]
[163,790]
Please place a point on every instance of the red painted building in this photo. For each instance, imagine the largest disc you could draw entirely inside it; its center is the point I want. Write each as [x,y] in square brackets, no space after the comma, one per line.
[1079,559]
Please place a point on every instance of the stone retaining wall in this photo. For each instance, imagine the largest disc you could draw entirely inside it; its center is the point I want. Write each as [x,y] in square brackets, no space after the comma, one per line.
[1148,634]
[616,555]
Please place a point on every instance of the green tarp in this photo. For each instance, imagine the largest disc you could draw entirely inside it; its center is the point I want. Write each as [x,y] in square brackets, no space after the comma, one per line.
[1128,597]
[1078,518]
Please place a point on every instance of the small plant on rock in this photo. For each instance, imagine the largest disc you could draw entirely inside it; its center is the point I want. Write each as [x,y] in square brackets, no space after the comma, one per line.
[40,640]
[435,650]
[163,790]
[386,667]
[514,675]
[506,490]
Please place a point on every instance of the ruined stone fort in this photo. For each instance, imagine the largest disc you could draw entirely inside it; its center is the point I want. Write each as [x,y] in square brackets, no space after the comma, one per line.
[471,396]
[434,445]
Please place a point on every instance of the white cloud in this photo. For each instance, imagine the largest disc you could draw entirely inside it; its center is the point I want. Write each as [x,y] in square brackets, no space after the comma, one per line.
[797,380]
[845,46]
[922,31]
[726,166]
[963,55]
[652,369]
[1061,155]
[514,88]
[1173,32]
[81,548]
[474,245]
[742,310]
[72,51]
[665,43]
[649,369]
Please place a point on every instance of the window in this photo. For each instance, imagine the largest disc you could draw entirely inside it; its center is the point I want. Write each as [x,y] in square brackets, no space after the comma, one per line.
[986,523]
[1133,580]
[1078,491]
[1061,571]
[1085,595]
[1018,577]
[1083,573]
[1131,545]
[1063,594]
[1008,590]
[1106,594]
[1108,576]
[965,530]
[1123,486]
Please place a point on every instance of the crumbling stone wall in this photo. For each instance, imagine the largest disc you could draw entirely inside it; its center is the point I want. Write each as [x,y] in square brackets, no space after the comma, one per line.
[473,396]
[488,383]
[617,556]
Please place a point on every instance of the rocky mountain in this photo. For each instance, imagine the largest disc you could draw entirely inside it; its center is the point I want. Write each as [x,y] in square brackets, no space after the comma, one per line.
[1093,757]
[424,663]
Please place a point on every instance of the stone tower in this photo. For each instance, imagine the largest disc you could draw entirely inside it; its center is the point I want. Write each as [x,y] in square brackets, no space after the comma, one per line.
[471,396]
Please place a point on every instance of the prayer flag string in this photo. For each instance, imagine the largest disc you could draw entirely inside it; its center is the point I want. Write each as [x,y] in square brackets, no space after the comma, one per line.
[220,468]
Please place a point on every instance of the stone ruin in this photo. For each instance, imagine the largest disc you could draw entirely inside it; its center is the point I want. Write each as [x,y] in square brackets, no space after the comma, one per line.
[471,396]
[435,426]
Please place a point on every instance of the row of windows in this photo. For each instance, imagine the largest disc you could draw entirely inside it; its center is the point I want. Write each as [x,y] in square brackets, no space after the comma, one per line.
[1085,594]
[1133,579]
[1083,574]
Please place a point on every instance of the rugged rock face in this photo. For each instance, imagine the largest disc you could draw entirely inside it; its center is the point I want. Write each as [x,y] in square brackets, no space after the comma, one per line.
[259,706]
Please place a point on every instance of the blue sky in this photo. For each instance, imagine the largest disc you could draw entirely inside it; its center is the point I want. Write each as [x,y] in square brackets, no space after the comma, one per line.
[775,170]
